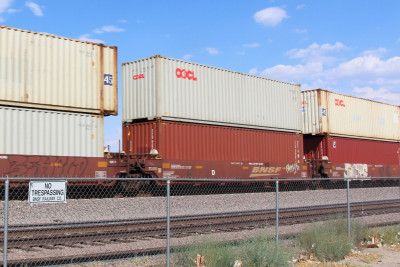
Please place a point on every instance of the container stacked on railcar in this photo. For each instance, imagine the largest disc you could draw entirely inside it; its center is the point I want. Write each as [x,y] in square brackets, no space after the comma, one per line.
[54,93]
[191,112]
[360,133]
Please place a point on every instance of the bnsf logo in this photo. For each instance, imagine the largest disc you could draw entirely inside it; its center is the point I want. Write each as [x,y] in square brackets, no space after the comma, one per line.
[185,74]
[265,171]
[138,76]
[339,102]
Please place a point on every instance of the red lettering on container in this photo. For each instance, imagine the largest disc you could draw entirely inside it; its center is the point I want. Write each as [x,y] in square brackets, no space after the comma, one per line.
[185,74]
[138,76]
[339,102]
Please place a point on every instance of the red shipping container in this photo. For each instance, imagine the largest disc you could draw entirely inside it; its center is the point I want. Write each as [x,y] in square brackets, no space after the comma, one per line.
[351,150]
[191,141]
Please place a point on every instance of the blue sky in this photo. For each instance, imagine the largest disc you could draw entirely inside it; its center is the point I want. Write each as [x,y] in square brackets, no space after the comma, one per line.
[350,47]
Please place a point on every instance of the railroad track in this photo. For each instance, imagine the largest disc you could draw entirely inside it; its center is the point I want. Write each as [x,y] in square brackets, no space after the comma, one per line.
[74,234]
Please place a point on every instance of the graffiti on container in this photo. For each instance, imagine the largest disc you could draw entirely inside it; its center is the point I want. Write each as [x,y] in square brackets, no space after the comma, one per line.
[43,166]
[292,168]
[355,170]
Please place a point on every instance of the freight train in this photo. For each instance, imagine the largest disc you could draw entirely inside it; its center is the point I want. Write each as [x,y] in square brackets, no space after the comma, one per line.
[180,120]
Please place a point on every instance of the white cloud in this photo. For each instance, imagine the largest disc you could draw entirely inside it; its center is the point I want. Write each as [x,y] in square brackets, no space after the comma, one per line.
[366,68]
[253,71]
[86,37]
[4,5]
[314,50]
[376,53]
[212,50]
[301,6]
[317,53]
[11,10]
[368,75]
[300,31]
[1,19]
[381,94]
[311,70]
[122,21]
[35,8]
[187,57]
[253,45]
[271,16]
[108,29]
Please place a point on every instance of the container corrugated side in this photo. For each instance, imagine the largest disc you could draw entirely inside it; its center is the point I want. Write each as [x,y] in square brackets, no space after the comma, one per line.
[51,133]
[330,113]
[192,141]
[50,72]
[351,150]
[171,89]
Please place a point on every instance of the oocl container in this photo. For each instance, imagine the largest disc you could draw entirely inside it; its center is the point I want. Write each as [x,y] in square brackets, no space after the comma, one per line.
[171,89]
[192,141]
[44,71]
[330,113]
[50,133]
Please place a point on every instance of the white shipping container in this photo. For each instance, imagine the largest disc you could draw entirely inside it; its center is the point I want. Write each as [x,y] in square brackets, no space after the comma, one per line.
[45,71]
[330,113]
[171,89]
[52,133]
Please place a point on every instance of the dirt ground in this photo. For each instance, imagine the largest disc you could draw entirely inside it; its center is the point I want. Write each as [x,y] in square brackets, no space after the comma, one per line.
[387,256]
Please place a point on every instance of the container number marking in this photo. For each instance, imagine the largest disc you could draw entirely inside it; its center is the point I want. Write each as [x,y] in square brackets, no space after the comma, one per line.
[108,79]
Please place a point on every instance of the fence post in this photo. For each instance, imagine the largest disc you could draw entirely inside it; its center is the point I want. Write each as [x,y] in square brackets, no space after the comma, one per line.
[168,220]
[6,195]
[277,213]
[348,208]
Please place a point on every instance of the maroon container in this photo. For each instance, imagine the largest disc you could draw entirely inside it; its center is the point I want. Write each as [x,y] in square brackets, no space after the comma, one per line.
[351,150]
[190,141]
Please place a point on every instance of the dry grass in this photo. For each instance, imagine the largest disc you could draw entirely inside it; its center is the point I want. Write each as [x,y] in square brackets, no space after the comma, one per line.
[367,258]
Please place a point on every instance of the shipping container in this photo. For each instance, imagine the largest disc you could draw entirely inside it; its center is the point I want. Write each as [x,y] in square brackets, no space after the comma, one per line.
[330,113]
[171,89]
[191,141]
[50,133]
[351,150]
[40,70]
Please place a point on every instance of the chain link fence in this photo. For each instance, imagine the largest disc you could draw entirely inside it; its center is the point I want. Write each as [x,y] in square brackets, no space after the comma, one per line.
[56,221]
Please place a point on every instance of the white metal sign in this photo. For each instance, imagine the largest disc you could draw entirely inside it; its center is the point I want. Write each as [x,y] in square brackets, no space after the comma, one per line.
[47,192]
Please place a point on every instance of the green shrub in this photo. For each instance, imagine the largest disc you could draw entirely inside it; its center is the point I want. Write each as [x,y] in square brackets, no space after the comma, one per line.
[391,236]
[216,254]
[262,252]
[255,252]
[328,241]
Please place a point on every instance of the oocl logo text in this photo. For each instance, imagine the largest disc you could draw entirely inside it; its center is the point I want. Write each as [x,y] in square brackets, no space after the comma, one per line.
[138,76]
[185,74]
[339,102]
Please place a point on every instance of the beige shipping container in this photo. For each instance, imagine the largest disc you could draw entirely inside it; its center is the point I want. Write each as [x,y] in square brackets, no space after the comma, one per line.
[330,113]
[51,133]
[44,71]
[172,89]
